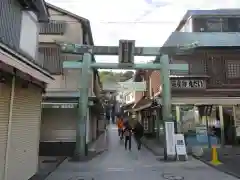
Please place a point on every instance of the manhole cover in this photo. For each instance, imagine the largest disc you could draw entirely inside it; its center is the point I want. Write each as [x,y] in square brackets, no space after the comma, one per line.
[171,177]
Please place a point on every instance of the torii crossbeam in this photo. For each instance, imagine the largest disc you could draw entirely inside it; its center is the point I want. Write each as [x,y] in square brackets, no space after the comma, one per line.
[126,52]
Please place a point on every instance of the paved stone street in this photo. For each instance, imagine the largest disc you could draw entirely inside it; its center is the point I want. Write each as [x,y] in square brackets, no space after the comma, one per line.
[229,157]
[118,164]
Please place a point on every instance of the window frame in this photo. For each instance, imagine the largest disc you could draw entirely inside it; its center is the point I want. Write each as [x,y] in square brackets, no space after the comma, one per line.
[233,65]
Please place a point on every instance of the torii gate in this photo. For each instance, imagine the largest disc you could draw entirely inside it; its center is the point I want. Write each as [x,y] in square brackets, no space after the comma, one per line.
[126,52]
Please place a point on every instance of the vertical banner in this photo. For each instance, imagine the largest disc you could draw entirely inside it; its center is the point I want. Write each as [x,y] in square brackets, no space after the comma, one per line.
[170,138]
[236,114]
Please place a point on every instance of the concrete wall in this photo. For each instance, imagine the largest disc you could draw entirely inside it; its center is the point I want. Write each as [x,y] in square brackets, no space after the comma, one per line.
[155,81]
[138,96]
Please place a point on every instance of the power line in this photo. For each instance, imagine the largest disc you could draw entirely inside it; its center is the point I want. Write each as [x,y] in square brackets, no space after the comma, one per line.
[155,6]
[123,22]
[137,22]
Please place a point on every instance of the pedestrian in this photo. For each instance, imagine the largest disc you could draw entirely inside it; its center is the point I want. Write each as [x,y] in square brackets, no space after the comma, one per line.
[128,137]
[138,134]
[120,127]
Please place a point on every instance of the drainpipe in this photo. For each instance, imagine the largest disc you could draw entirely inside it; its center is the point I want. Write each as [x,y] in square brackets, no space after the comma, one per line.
[9,128]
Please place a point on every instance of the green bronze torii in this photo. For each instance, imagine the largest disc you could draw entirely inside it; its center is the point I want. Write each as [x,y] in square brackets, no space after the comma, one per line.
[126,52]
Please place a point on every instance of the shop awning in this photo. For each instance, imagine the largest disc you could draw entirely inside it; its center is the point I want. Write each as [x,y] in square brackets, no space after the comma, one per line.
[206,39]
[203,100]
[142,104]
[63,105]
[59,105]
[127,106]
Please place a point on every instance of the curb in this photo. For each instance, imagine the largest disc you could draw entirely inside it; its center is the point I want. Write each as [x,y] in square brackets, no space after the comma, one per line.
[226,171]
[58,164]
[89,157]
[151,149]
[43,177]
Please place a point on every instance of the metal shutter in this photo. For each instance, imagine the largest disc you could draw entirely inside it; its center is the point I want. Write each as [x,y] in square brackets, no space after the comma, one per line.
[24,136]
[59,125]
[94,127]
[5,95]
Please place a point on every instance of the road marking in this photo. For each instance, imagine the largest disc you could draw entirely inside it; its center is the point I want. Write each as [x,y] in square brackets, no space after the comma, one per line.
[118,169]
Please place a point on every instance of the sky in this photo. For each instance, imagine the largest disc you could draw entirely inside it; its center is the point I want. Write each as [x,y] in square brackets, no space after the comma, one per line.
[149,22]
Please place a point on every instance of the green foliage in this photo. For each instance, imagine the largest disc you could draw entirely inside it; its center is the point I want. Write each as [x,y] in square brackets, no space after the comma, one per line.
[109,76]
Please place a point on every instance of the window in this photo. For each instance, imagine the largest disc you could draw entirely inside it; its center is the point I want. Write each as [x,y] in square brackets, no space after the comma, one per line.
[234,24]
[178,72]
[53,27]
[233,69]
[51,58]
[216,24]
[29,33]
[211,24]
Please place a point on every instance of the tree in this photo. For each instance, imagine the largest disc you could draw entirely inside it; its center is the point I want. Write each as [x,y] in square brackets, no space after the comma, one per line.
[128,74]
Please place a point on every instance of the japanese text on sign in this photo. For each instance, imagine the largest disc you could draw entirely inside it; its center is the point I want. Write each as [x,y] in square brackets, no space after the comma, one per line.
[64,106]
[188,83]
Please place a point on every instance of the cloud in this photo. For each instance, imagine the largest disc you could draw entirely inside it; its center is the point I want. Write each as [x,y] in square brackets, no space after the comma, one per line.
[165,13]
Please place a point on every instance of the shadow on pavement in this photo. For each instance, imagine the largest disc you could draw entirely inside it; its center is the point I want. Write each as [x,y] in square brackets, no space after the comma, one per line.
[47,165]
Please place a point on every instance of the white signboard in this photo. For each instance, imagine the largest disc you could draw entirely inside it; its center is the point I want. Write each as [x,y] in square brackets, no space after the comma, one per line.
[201,130]
[170,138]
[180,146]
[132,86]
[125,86]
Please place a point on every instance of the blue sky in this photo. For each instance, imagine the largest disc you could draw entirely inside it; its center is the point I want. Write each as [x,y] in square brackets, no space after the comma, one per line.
[112,20]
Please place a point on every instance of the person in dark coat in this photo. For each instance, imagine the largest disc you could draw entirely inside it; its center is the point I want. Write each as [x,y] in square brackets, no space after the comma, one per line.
[138,134]
[127,132]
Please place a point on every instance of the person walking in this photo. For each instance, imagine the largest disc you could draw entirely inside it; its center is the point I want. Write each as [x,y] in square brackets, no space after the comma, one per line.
[128,137]
[120,127]
[138,134]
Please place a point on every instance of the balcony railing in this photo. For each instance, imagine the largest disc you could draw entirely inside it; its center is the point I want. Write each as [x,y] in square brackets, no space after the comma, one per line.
[53,28]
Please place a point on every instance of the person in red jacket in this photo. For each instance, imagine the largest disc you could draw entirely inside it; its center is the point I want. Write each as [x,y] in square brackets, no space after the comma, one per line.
[120,127]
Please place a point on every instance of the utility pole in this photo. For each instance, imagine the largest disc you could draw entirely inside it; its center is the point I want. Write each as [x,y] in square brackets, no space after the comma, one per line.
[126,52]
